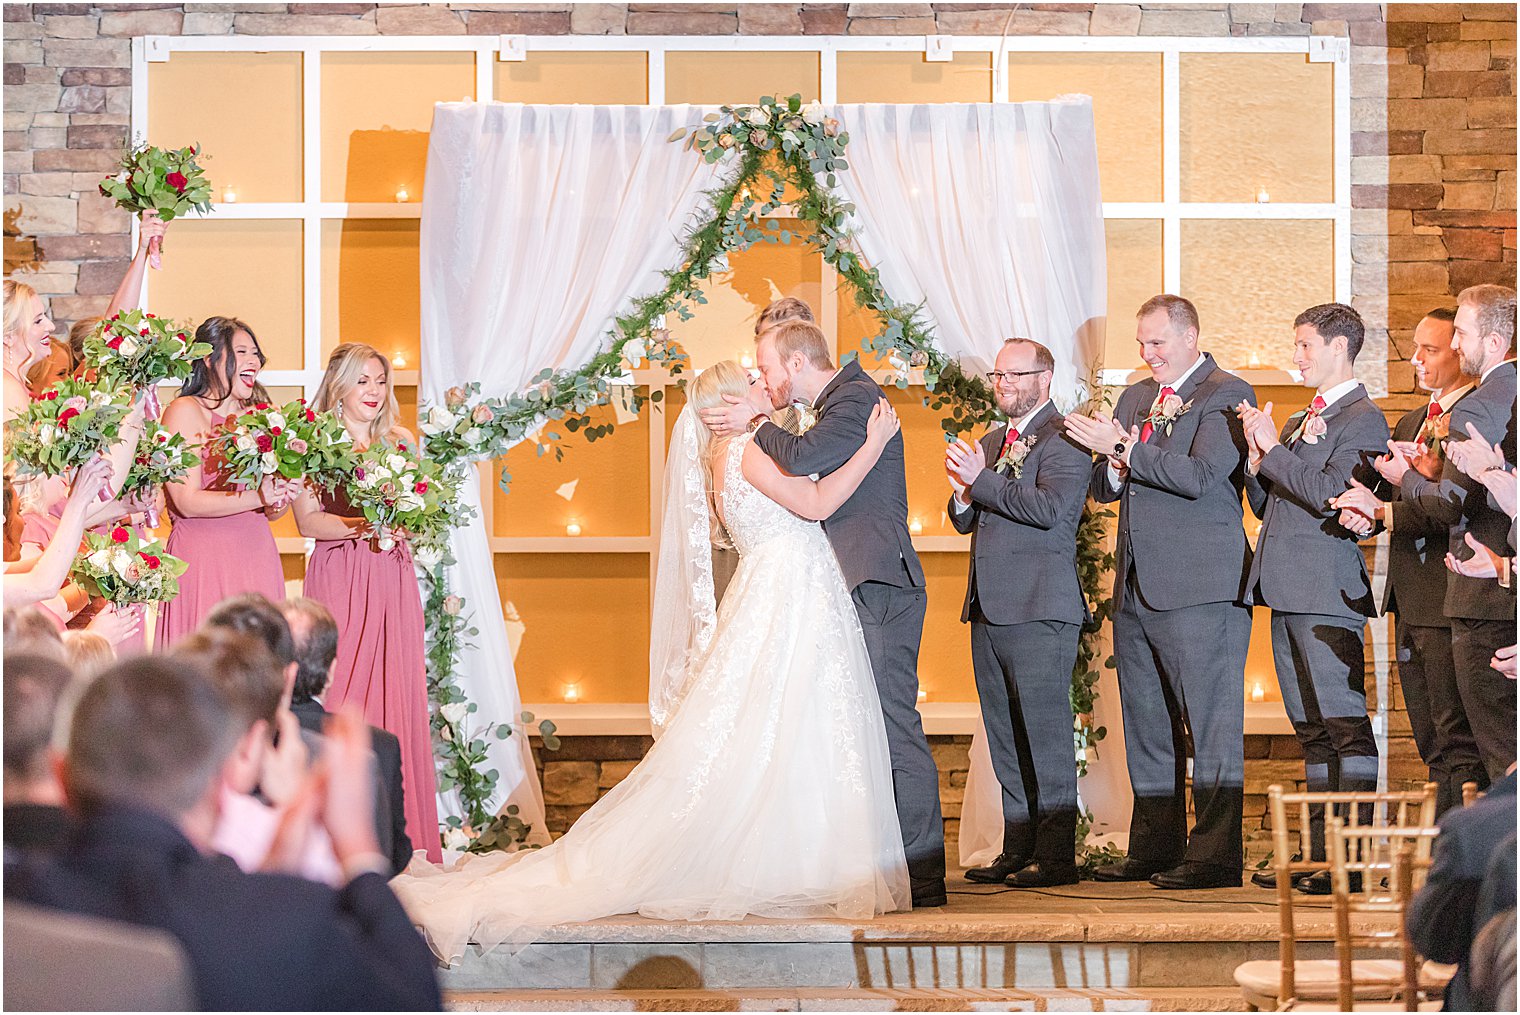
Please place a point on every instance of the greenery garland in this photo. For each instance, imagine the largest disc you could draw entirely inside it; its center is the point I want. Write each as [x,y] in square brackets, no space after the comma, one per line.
[779,149]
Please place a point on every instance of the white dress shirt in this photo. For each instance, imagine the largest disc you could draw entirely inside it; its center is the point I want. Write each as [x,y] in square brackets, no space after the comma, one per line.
[1114,482]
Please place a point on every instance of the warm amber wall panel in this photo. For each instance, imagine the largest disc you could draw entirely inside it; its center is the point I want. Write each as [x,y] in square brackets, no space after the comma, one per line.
[249,269]
[1126,94]
[251,134]
[587,78]
[1134,276]
[611,476]
[1257,120]
[908,77]
[739,78]
[944,655]
[924,460]
[587,622]
[1249,279]
[369,286]
[377,109]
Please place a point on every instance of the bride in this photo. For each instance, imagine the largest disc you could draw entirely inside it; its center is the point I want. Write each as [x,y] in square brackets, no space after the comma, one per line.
[769,789]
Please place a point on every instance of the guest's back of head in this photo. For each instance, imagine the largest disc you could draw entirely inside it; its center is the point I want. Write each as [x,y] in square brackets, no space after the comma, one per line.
[240,665]
[88,653]
[35,685]
[28,629]
[315,633]
[149,733]
[253,614]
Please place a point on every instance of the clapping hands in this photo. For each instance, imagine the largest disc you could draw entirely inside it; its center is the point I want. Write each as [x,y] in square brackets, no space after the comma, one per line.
[1260,432]
[963,463]
[1359,509]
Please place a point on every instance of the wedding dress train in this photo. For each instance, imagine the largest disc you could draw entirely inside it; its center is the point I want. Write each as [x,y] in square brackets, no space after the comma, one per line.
[769,792]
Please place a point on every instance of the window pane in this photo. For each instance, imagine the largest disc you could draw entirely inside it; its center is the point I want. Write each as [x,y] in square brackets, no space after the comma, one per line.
[369,286]
[603,650]
[1134,276]
[1256,121]
[251,133]
[610,495]
[908,77]
[377,109]
[591,78]
[734,78]
[1126,94]
[249,269]
[1249,280]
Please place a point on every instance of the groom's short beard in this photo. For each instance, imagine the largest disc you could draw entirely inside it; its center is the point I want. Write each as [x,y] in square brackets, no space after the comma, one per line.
[781,397]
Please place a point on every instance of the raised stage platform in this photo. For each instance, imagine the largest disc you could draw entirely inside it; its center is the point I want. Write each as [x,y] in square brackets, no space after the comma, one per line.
[1103,947]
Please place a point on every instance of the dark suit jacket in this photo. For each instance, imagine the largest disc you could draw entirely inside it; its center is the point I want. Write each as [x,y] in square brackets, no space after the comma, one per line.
[37,827]
[390,807]
[1024,528]
[1179,511]
[1305,562]
[1452,906]
[255,941]
[1461,503]
[869,532]
[1416,586]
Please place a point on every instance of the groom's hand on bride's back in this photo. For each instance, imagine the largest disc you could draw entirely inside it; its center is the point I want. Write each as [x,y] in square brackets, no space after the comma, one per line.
[735,417]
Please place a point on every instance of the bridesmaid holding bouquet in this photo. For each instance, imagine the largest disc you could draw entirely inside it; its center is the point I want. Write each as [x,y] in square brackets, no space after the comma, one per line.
[372,592]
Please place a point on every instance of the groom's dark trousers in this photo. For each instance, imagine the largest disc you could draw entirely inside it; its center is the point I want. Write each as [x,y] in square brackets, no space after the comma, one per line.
[869,534]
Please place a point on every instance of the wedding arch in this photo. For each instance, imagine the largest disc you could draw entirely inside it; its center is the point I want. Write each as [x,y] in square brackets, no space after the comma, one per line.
[982,220]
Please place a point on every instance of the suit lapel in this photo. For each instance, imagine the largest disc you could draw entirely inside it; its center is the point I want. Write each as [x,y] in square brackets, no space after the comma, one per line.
[1205,369]
[846,373]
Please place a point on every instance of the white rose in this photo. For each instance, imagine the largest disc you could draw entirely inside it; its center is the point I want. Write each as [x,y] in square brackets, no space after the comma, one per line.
[634,352]
[757,117]
[474,435]
[427,557]
[812,113]
[396,463]
[101,559]
[455,712]
[276,420]
[128,347]
[456,839]
[246,443]
[409,502]
[47,433]
[437,421]
[121,559]
[269,462]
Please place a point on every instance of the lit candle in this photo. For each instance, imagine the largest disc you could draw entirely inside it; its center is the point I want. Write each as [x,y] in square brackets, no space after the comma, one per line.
[916,527]
[1262,197]
[572,692]
[573,529]
[923,695]
[402,195]
[746,360]
[1258,693]
[398,360]
[229,196]
[1255,360]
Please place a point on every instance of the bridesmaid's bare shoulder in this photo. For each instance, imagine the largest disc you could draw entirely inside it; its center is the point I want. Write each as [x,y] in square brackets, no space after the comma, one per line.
[187,415]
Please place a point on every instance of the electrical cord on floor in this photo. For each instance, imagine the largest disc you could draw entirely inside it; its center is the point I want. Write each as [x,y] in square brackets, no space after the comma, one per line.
[1268,898]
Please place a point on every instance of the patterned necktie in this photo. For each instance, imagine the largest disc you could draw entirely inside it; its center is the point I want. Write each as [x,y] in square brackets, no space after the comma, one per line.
[1148,429]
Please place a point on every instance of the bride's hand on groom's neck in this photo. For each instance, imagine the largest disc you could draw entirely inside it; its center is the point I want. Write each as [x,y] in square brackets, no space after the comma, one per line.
[734,416]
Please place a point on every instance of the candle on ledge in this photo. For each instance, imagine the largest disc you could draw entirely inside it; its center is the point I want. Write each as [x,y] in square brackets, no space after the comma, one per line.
[572,692]
[916,527]
[923,695]
[573,529]
[746,361]
[398,360]
[1258,693]
[1262,197]
[229,196]
[402,196]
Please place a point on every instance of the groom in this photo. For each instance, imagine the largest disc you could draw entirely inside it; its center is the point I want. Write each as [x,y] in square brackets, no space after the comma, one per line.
[869,534]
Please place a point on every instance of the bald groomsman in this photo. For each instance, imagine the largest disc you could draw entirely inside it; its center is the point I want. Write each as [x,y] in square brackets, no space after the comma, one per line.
[1308,568]
[1175,457]
[1482,610]
[1019,493]
[1415,592]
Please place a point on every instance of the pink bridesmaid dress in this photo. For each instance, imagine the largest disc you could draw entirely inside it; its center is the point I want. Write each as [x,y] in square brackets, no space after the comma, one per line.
[381,667]
[226,557]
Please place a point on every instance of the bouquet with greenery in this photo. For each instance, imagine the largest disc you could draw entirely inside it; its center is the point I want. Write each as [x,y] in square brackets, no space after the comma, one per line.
[138,350]
[168,180]
[65,426]
[404,496]
[120,567]
[329,457]
[292,441]
[162,457]
[458,429]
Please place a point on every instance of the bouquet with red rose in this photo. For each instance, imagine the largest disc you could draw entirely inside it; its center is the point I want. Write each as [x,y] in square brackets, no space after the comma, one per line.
[138,350]
[122,568]
[292,441]
[405,496]
[168,180]
[162,457]
[64,427]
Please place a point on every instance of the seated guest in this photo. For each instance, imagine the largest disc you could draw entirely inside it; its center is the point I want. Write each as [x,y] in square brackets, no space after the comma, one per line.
[316,640]
[150,746]
[1456,900]
[34,814]
[32,630]
[89,654]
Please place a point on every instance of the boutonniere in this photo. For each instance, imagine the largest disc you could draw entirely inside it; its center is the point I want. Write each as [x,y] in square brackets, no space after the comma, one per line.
[1434,432]
[1165,412]
[807,416]
[1310,429]
[1013,456]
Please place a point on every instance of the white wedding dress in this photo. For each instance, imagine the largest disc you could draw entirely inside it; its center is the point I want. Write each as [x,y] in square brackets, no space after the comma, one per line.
[769,792]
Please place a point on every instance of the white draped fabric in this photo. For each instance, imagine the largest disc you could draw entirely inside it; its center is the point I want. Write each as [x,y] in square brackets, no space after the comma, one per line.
[539,224]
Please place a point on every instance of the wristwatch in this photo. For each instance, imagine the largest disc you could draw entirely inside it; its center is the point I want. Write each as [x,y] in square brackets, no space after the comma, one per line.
[1121,446]
[754,422]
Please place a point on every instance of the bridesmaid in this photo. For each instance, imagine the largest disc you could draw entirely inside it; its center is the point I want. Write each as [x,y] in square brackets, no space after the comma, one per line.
[372,593]
[221,531]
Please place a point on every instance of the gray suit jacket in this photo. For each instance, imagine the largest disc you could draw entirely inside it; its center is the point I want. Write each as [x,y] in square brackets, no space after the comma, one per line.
[1416,587]
[1305,562]
[1179,511]
[869,532]
[1024,529]
[1461,503]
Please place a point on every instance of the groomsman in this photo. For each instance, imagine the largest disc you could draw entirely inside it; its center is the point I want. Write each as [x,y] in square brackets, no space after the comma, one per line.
[1482,611]
[1175,457]
[1307,567]
[1019,493]
[1415,592]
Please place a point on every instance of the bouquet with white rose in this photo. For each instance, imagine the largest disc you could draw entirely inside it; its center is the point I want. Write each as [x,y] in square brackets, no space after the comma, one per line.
[291,441]
[404,496]
[168,180]
[121,567]
[64,427]
[162,457]
[138,350]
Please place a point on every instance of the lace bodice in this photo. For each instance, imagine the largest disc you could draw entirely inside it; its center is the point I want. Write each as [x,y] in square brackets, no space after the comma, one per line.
[751,517]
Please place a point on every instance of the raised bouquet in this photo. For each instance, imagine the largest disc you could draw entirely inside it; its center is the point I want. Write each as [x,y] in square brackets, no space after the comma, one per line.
[404,496]
[168,180]
[162,457]
[63,428]
[139,350]
[291,441]
[120,567]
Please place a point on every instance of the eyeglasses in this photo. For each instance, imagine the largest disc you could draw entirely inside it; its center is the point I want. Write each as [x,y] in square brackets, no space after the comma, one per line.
[999,376]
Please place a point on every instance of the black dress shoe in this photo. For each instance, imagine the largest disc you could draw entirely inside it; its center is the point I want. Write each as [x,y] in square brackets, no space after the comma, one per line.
[1125,870]
[928,893]
[998,870]
[1187,876]
[1319,883]
[1044,874]
[1267,878]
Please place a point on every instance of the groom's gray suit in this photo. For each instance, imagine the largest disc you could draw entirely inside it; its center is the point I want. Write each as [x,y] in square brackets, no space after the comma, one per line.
[869,534]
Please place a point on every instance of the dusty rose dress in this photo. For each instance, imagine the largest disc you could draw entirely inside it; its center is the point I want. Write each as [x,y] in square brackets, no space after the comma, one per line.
[373,596]
[225,556]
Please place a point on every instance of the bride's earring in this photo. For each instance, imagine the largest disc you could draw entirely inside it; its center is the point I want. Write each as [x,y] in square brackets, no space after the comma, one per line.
[339,410]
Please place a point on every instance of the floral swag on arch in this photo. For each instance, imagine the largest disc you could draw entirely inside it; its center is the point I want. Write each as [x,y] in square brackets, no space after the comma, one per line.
[774,146]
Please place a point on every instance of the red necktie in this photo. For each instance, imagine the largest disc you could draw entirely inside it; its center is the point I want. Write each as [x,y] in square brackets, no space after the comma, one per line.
[1148,429]
[1008,440]
[1434,412]
[1317,406]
